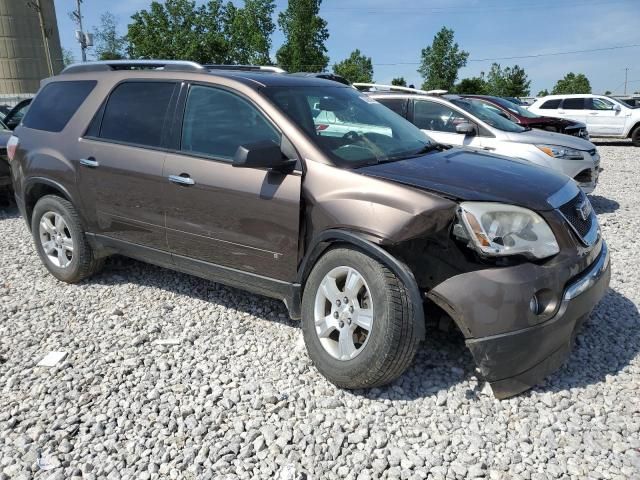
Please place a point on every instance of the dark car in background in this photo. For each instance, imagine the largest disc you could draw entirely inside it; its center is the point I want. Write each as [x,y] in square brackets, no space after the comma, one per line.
[15,115]
[524,117]
[5,172]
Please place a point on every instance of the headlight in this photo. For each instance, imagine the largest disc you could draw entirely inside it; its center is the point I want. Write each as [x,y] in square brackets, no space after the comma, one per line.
[565,153]
[497,229]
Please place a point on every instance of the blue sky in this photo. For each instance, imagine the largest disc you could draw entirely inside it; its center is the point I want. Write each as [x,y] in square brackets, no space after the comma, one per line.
[395,31]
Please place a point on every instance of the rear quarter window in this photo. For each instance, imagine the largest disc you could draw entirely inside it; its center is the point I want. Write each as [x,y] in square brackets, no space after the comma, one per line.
[54,106]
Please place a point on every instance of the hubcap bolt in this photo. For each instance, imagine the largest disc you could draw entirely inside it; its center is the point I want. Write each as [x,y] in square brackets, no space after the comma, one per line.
[341,324]
[335,315]
[349,321]
[351,309]
[346,300]
[338,303]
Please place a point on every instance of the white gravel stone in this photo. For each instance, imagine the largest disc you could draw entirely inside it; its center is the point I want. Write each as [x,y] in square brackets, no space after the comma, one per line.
[238,398]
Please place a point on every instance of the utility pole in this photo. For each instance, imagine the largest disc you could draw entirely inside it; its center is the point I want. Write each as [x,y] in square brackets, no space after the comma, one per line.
[80,35]
[626,70]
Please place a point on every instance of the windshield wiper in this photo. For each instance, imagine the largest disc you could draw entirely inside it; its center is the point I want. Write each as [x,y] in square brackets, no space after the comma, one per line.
[430,147]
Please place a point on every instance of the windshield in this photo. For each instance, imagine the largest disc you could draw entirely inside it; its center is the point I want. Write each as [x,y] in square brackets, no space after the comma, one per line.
[514,108]
[623,102]
[485,113]
[349,127]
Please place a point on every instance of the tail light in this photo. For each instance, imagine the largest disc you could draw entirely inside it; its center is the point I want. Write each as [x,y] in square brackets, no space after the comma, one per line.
[12,146]
[320,127]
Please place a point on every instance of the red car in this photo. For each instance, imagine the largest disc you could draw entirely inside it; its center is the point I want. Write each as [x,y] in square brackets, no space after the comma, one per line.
[524,117]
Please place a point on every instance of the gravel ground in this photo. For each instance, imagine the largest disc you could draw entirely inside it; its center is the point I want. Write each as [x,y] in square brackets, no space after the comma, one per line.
[237,397]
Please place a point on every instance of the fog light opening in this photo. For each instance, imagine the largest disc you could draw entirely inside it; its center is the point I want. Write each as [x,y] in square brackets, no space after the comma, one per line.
[543,302]
[534,305]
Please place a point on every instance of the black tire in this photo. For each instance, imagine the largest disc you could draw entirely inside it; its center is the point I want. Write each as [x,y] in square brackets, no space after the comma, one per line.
[393,339]
[83,261]
[635,136]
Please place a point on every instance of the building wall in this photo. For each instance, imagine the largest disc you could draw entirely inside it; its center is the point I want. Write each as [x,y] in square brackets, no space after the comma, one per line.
[23,62]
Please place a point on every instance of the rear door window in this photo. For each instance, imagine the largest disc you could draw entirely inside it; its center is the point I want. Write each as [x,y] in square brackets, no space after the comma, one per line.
[398,105]
[54,106]
[435,116]
[216,122]
[551,104]
[573,103]
[135,113]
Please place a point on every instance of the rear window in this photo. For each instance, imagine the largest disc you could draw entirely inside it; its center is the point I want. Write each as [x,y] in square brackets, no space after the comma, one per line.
[551,104]
[135,113]
[54,106]
[573,104]
[398,105]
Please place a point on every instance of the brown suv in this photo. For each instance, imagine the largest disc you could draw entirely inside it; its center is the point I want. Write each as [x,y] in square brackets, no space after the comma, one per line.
[360,226]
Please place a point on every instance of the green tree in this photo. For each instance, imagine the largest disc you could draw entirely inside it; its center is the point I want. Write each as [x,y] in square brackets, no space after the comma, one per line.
[108,44]
[471,86]
[508,81]
[305,33]
[572,83]
[441,61]
[248,31]
[178,30]
[399,81]
[608,92]
[543,93]
[356,68]
[68,58]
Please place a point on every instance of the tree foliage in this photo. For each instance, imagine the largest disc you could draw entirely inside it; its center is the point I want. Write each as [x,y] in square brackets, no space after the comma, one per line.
[305,35]
[356,68]
[68,58]
[399,81]
[543,93]
[471,86]
[508,81]
[441,61]
[572,83]
[249,31]
[108,44]
[208,33]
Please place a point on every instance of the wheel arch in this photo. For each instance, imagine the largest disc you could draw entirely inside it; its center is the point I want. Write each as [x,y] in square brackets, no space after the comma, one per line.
[633,129]
[37,187]
[334,237]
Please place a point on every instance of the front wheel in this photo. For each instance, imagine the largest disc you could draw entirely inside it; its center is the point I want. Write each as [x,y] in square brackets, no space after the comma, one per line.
[357,320]
[635,137]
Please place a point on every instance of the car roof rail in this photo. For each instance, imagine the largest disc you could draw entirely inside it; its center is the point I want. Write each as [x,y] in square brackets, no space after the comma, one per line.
[399,88]
[110,65]
[245,68]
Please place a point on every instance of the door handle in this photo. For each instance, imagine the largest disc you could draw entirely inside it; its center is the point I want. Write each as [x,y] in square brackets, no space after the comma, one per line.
[593,113]
[89,162]
[488,148]
[183,179]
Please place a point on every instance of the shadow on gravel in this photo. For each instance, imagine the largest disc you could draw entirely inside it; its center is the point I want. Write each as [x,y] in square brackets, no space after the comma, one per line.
[601,142]
[8,208]
[608,342]
[603,204]
[122,270]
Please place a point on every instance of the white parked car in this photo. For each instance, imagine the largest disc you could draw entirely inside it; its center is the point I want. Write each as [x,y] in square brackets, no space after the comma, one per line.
[604,116]
[465,122]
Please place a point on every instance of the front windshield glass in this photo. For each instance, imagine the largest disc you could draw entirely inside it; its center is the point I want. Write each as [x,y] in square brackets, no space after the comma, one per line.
[485,113]
[350,127]
[514,108]
[623,102]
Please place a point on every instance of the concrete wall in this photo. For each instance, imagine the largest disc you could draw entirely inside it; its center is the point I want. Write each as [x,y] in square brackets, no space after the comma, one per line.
[23,61]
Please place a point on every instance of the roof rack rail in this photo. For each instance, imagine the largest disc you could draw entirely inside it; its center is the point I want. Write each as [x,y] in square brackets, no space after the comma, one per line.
[109,65]
[399,88]
[248,68]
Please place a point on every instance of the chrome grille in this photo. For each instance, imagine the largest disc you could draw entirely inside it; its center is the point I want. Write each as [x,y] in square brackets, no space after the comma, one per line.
[571,212]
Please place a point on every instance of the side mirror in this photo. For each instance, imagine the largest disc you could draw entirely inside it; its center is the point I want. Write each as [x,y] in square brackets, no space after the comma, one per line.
[265,154]
[466,128]
[617,107]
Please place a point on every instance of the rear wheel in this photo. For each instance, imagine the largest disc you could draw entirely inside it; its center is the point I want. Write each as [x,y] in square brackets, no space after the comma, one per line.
[60,240]
[358,321]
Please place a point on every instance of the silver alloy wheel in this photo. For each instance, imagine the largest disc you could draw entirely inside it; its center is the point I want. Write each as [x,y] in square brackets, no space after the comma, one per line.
[55,238]
[343,313]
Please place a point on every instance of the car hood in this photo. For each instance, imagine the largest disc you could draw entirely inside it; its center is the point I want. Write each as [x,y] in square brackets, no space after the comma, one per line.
[562,122]
[541,137]
[473,176]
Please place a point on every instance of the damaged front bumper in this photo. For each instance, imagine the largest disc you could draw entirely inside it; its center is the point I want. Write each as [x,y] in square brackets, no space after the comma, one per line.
[514,361]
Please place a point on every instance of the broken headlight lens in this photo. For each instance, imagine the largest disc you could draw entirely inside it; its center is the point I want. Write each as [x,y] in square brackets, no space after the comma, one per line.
[498,229]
